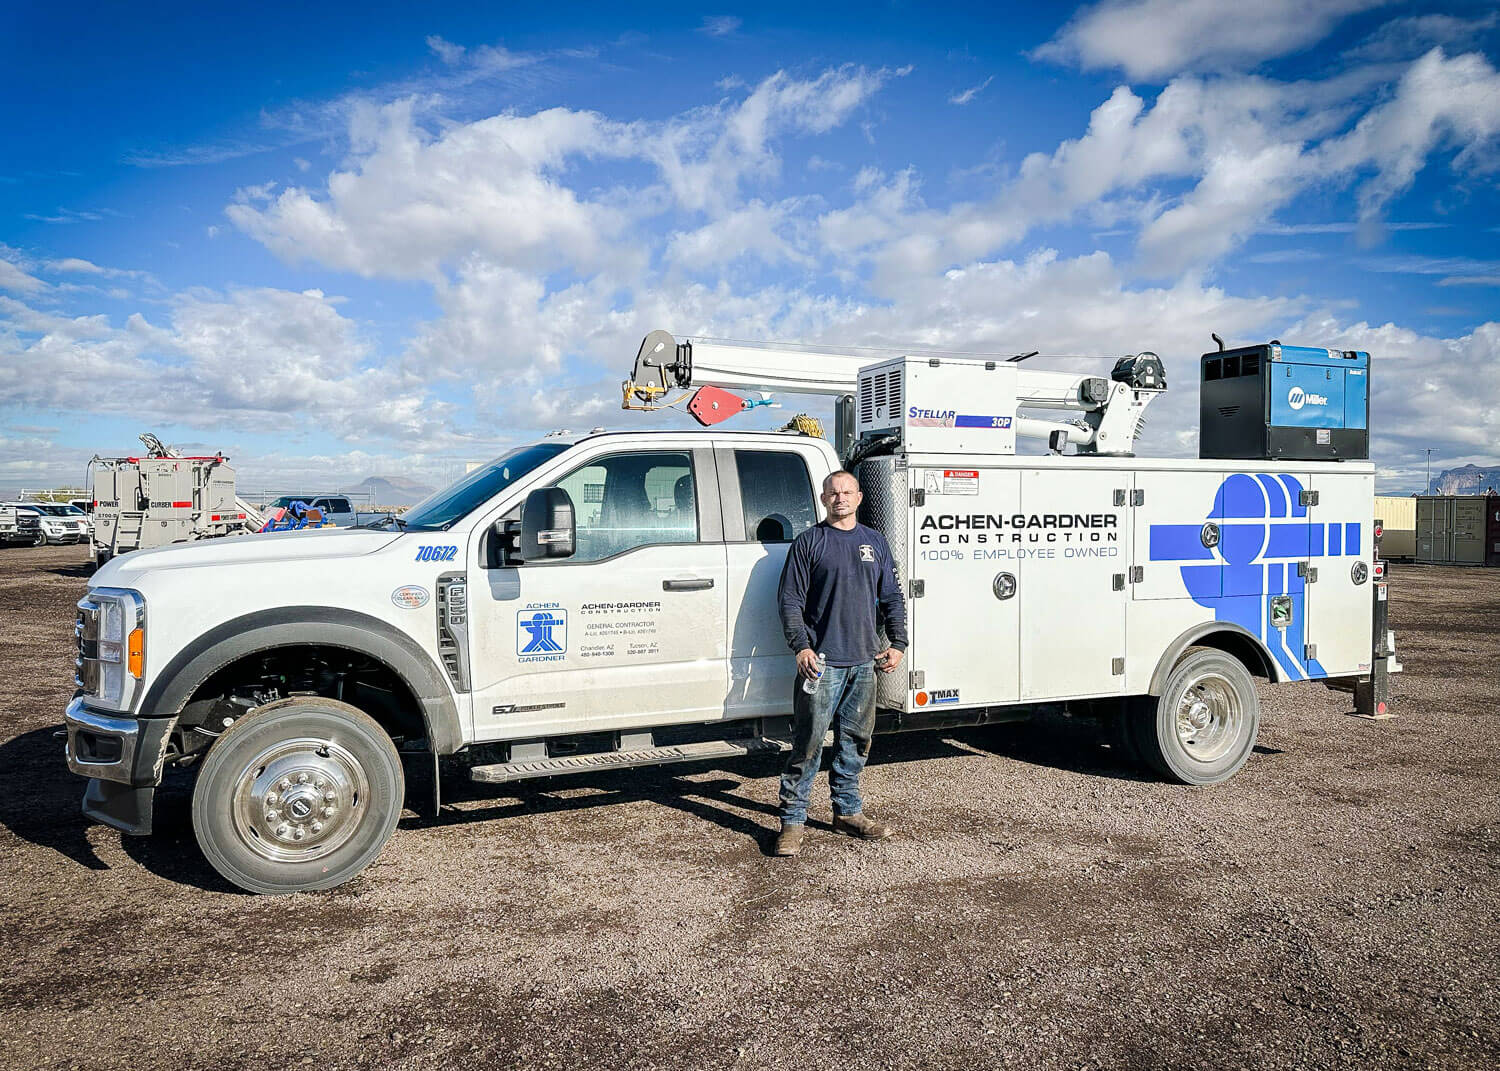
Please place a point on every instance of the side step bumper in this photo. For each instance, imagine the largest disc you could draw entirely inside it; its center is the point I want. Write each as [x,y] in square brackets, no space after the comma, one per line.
[501,772]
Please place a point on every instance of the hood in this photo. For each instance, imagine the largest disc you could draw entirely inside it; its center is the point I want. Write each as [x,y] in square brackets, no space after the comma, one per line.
[244,550]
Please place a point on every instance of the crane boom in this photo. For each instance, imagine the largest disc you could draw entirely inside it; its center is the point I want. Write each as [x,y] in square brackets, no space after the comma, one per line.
[1111,409]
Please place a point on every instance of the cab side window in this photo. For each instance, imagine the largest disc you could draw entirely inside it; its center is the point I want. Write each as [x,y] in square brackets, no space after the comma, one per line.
[624,501]
[776,494]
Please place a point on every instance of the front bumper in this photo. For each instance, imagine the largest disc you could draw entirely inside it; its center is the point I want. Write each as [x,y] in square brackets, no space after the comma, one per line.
[123,757]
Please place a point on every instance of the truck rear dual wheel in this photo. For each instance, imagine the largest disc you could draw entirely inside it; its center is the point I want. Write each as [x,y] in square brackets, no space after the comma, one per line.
[297,795]
[1202,728]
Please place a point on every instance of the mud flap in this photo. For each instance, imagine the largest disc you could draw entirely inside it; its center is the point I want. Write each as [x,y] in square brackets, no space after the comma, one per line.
[1372,693]
[120,806]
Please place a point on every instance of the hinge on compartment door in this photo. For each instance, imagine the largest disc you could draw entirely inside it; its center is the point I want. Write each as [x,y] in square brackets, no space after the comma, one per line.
[918,496]
[1138,497]
[918,588]
[1309,652]
[1137,574]
[1119,582]
[1308,572]
[918,678]
[1307,498]
[1119,496]
[1117,667]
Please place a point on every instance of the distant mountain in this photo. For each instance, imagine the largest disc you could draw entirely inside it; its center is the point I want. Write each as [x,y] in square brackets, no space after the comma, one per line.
[390,491]
[1467,480]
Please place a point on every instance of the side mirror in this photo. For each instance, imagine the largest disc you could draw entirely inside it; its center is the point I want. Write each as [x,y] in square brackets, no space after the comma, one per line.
[547,526]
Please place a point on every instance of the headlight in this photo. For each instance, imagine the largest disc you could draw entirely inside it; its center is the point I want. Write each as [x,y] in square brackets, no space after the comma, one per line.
[111,647]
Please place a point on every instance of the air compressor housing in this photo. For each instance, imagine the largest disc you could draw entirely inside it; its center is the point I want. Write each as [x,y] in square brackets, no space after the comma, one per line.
[1285,402]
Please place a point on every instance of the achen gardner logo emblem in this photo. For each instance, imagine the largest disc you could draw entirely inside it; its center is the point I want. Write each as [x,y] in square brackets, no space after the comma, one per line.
[541,634]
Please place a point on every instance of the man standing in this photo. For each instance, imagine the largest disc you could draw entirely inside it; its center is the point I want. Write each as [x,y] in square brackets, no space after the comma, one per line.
[839,581]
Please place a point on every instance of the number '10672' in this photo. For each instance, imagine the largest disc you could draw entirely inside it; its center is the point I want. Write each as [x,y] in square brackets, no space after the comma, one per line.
[436,554]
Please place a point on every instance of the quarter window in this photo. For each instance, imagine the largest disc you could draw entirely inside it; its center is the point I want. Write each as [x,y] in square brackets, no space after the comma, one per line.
[633,500]
[776,495]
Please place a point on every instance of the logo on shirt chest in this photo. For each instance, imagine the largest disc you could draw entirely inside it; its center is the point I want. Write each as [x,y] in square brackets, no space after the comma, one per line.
[866,552]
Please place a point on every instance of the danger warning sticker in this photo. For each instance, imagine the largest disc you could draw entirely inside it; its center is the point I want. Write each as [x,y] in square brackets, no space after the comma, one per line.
[960,481]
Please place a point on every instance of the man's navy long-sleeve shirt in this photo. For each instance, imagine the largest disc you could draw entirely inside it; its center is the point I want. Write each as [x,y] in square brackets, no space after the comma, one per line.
[832,586]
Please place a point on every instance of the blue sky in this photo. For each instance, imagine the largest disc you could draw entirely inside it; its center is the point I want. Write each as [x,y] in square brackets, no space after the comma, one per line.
[388,239]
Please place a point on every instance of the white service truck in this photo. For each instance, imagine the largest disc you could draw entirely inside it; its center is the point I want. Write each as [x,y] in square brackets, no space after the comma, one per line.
[609,600]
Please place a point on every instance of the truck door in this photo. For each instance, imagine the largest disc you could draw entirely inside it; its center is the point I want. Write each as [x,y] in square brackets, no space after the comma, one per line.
[1339,603]
[768,501]
[1073,545]
[631,630]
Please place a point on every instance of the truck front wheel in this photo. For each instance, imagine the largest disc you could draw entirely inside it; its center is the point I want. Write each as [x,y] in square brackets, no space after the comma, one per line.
[297,795]
[1202,727]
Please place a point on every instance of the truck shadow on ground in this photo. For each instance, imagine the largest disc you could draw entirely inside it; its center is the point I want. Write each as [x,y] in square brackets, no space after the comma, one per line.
[43,808]
[77,571]
[1065,744]
[42,801]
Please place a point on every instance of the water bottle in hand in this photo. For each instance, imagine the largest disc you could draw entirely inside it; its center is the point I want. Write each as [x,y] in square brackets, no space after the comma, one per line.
[811,686]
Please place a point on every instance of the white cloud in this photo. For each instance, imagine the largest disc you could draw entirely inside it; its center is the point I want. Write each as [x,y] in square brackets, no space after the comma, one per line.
[720,25]
[1151,40]
[1438,102]
[14,278]
[1412,35]
[446,51]
[968,95]
[412,203]
[242,360]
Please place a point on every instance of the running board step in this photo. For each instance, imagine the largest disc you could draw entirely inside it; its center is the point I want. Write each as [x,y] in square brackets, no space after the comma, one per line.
[500,772]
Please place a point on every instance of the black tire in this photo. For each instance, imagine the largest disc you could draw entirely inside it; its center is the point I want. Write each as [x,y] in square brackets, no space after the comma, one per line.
[271,774]
[1202,728]
[40,540]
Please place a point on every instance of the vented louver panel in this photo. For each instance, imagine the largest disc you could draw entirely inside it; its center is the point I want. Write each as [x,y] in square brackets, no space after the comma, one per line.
[452,604]
[895,395]
[866,399]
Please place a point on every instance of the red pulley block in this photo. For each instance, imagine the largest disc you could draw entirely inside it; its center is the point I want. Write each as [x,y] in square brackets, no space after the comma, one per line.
[713,404]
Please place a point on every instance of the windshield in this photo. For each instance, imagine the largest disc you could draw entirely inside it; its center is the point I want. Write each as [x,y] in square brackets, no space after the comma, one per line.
[448,505]
[53,509]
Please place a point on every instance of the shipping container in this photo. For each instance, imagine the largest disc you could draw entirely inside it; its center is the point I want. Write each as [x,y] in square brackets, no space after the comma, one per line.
[1400,517]
[1453,529]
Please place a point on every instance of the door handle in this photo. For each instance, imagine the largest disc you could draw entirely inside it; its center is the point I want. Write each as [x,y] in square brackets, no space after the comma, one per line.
[697,583]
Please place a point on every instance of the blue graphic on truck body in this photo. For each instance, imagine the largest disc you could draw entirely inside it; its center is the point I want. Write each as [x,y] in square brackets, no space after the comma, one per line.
[1263,534]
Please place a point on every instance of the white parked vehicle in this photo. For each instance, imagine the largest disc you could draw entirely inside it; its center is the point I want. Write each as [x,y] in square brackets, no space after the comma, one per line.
[20,526]
[609,601]
[57,522]
[335,510]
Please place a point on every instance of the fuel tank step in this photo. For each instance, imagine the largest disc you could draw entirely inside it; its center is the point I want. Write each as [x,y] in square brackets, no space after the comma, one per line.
[500,772]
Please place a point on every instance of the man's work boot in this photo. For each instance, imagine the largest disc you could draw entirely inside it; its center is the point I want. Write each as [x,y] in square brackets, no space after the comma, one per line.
[857,825]
[789,840]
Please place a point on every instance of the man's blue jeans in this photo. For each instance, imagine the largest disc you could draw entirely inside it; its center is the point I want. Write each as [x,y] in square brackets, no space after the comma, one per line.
[844,700]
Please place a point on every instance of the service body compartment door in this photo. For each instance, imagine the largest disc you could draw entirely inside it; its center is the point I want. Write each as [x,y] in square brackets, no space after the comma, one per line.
[965,625]
[1072,560]
[1167,525]
[1340,602]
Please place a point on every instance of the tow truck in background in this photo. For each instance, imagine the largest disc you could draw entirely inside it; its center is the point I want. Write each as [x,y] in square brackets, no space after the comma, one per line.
[609,600]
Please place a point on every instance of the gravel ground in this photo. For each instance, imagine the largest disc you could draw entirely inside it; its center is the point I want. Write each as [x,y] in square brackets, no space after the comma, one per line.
[1043,905]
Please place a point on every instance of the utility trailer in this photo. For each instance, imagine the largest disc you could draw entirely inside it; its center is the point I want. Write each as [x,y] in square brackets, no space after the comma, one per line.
[160,498]
[609,601]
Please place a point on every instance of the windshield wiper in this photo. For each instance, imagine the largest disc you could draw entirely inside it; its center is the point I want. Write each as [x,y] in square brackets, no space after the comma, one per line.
[389,518]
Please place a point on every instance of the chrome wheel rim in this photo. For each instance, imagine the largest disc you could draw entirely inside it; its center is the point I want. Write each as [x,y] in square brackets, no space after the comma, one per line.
[299,800]
[1210,718]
